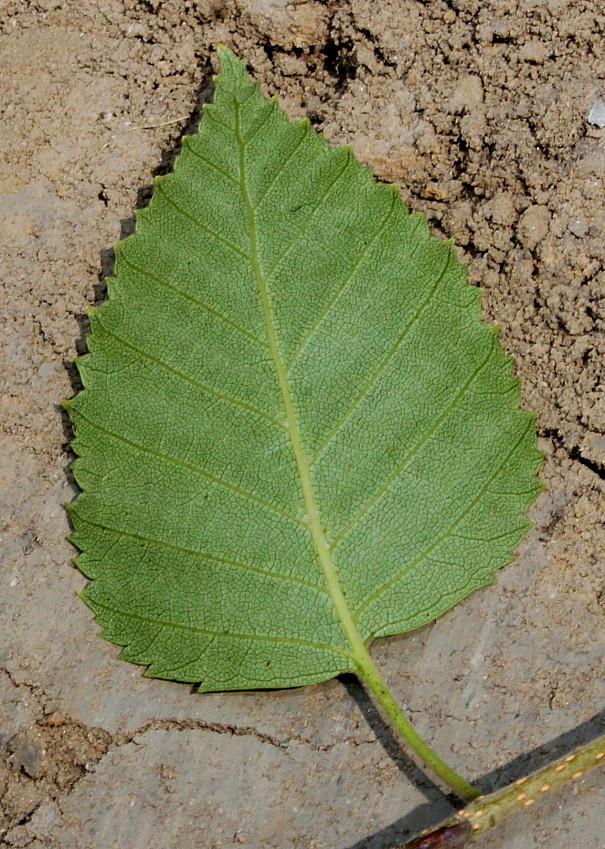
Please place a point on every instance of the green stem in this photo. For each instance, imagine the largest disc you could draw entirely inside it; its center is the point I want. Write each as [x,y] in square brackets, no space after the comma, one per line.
[487,811]
[374,680]
[359,654]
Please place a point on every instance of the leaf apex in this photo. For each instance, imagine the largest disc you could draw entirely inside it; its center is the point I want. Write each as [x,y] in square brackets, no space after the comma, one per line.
[223,51]
[232,69]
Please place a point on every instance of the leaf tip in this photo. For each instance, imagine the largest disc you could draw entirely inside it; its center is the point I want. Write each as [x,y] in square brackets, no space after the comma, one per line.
[222,50]
[232,69]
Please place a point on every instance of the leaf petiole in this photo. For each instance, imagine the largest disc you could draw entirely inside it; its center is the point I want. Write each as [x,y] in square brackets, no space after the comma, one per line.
[371,676]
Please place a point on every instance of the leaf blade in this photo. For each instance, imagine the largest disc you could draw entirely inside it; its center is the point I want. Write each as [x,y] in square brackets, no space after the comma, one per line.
[287,444]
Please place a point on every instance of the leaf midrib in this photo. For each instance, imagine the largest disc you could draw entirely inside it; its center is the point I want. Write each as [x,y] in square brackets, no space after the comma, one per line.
[320,542]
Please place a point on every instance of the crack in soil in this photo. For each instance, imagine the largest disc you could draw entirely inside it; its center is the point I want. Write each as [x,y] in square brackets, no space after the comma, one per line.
[45,762]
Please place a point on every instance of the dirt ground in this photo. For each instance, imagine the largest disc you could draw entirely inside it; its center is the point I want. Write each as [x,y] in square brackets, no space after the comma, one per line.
[479,112]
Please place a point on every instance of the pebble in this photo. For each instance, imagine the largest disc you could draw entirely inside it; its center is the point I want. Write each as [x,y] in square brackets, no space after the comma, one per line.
[503,208]
[435,191]
[27,754]
[533,226]
[597,114]
[534,51]
[468,95]
[578,227]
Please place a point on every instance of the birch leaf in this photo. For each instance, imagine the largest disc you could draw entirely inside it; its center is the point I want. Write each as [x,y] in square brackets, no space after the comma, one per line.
[296,434]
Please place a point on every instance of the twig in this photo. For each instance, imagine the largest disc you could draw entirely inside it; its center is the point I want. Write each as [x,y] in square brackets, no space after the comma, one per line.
[155,126]
[487,811]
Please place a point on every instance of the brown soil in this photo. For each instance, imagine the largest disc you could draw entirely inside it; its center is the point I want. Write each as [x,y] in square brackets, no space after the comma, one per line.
[478,111]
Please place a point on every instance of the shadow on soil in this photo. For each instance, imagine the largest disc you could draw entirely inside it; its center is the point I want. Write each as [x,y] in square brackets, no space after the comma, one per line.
[107,260]
[439,805]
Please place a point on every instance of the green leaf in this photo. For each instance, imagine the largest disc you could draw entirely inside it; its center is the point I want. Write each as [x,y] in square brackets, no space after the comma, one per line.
[296,435]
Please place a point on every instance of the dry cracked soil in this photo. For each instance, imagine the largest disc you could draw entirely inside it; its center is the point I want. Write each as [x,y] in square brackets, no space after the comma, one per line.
[479,112]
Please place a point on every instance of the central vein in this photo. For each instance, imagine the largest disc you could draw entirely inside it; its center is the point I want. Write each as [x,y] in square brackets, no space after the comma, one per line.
[359,654]
[316,531]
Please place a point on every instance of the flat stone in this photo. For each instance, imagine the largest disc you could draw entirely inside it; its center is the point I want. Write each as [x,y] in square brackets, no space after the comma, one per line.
[27,753]
[597,114]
